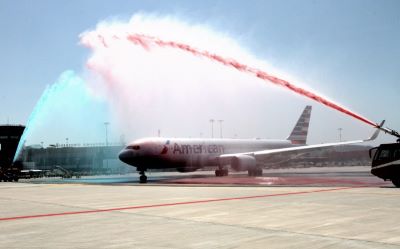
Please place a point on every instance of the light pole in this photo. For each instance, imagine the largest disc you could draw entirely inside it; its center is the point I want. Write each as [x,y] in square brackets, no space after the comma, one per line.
[220,127]
[44,158]
[106,125]
[212,128]
[340,134]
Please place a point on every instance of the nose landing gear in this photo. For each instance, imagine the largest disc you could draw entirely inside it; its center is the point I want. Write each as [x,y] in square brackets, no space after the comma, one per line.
[143,177]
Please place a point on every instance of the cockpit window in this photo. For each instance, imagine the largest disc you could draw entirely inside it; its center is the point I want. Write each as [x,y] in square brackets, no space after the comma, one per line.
[133,147]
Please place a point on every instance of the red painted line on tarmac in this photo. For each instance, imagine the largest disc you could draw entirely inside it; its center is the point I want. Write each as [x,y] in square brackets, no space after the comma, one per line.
[171,204]
[283,181]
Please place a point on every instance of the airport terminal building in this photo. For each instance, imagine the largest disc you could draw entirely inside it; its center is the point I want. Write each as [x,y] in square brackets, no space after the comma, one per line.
[88,159]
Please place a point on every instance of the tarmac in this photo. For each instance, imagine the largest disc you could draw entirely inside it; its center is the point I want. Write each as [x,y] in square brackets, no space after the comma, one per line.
[329,208]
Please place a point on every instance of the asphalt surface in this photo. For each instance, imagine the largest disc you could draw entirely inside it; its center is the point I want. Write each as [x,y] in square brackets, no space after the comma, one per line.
[305,208]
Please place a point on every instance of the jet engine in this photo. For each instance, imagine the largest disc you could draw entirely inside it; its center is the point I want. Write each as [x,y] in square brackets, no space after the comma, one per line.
[243,163]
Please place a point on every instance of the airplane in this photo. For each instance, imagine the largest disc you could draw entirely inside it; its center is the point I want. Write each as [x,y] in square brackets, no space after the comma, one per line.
[191,154]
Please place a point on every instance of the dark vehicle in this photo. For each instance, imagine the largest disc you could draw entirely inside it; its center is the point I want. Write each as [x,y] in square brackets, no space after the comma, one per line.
[386,162]
[9,139]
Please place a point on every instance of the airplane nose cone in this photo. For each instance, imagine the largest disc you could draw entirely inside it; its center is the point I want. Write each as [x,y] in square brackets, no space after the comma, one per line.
[125,155]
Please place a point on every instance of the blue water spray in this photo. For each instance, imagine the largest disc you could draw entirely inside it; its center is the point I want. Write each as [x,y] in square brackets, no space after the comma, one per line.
[67,99]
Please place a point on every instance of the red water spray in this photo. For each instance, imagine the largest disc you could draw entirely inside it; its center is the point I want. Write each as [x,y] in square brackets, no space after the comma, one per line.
[146,42]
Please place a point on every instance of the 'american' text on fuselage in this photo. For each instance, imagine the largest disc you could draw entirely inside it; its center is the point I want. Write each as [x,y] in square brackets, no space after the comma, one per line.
[198,149]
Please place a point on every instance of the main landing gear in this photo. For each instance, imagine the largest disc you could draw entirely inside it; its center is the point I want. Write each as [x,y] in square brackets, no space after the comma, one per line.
[143,177]
[221,172]
[251,172]
[255,172]
[396,182]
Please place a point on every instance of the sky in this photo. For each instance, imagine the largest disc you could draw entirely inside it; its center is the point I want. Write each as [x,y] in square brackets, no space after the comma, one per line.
[346,50]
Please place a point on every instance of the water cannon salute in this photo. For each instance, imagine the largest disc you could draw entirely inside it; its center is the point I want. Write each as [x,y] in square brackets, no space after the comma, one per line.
[144,154]
[210,124]
[147,75]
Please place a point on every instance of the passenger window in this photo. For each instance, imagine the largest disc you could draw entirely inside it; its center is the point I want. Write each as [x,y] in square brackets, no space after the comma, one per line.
[134,147]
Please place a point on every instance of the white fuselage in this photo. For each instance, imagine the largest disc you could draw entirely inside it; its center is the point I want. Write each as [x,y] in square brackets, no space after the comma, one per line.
[189,154]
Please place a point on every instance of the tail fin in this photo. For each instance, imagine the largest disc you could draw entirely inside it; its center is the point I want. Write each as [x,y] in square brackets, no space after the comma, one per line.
[300,130]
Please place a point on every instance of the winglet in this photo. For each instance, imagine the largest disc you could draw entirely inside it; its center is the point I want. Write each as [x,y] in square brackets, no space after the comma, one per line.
[376,133]
[388,130]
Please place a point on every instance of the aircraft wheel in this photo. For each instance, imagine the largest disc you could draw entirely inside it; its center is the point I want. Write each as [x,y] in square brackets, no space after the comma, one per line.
[221,172]
[255,172]
[143,179]
[396,182]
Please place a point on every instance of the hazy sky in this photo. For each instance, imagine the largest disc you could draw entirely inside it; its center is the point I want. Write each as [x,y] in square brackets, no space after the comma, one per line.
[347,50]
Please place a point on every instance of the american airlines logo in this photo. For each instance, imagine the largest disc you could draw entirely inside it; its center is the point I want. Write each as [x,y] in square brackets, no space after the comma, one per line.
[165,149]
[197,149]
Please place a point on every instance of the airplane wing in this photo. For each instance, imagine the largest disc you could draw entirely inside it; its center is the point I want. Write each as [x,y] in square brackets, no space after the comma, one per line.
[302,149]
